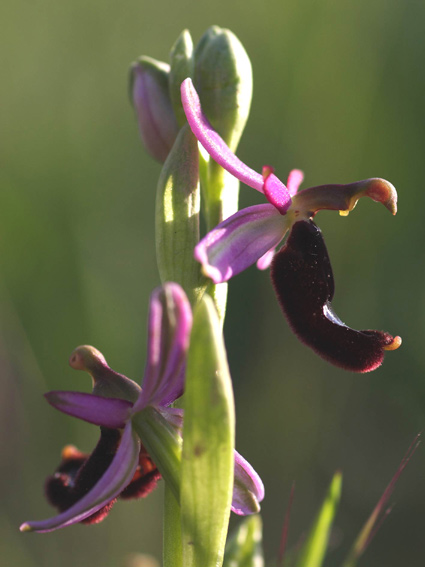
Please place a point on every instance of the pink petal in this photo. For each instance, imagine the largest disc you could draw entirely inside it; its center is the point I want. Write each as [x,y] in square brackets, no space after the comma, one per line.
[212,142]
[170,323]
[108,412]
[239,241]
[275,191]
[266,259]
[115,479]
[295,178]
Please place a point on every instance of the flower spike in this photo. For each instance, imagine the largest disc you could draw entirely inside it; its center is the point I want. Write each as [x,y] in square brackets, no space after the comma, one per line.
[303,281]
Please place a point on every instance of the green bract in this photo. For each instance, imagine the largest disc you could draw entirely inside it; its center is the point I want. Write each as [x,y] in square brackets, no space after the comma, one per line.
[177,216]
[208,433]
[181,67]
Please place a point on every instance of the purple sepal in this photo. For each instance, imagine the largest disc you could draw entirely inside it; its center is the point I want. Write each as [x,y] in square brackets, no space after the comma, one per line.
[107,412]
[169,326]
[239,241]
[248,488]
[115,479]
[212,142]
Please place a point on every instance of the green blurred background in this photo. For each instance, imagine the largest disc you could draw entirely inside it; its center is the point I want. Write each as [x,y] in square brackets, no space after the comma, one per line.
[339,93]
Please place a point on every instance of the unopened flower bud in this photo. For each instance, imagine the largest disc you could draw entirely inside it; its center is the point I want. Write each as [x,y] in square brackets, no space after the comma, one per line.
[181,59]
[149,93]
[223,78]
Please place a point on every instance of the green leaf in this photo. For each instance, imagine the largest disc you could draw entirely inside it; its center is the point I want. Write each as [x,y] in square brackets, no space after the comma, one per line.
[181,59]
[373,523]
[208,443]
[177,216]
[244,547]
[314,549]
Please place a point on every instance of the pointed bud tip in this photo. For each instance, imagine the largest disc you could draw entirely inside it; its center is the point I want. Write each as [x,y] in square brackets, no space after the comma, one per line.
[86,358]
[25,528]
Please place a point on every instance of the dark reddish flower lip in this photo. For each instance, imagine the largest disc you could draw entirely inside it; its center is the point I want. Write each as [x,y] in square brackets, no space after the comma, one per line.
[79,472]
[303,280]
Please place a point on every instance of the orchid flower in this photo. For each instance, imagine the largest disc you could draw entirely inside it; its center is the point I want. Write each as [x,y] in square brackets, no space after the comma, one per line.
[140,433]
[301,271]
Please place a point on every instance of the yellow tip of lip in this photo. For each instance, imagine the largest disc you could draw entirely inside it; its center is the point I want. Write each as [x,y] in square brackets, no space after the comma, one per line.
[394,345]
[69,451]
[344,213]
[25,528]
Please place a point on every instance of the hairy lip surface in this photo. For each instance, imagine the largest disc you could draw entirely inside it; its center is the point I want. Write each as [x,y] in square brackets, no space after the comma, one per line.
[302,277]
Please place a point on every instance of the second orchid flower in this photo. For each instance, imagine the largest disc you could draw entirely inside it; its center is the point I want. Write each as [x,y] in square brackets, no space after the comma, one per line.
[140,433]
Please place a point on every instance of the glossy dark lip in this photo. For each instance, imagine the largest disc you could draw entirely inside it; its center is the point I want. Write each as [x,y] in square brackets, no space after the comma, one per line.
[302,277]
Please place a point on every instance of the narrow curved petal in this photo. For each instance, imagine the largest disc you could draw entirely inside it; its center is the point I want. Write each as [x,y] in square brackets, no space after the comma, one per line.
[239,241]
[295,178]
[344,197]
[248,488]
[115,479]
[108,412]
[212,142]
[170,323]
[275,191]
[266,259]
[303,281]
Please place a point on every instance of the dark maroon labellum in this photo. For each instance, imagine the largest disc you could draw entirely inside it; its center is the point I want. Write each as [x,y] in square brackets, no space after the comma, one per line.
[79,472]
[302,277]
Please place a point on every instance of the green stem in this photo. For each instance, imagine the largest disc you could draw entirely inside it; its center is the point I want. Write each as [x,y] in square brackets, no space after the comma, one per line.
[163,444]
[172,536]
